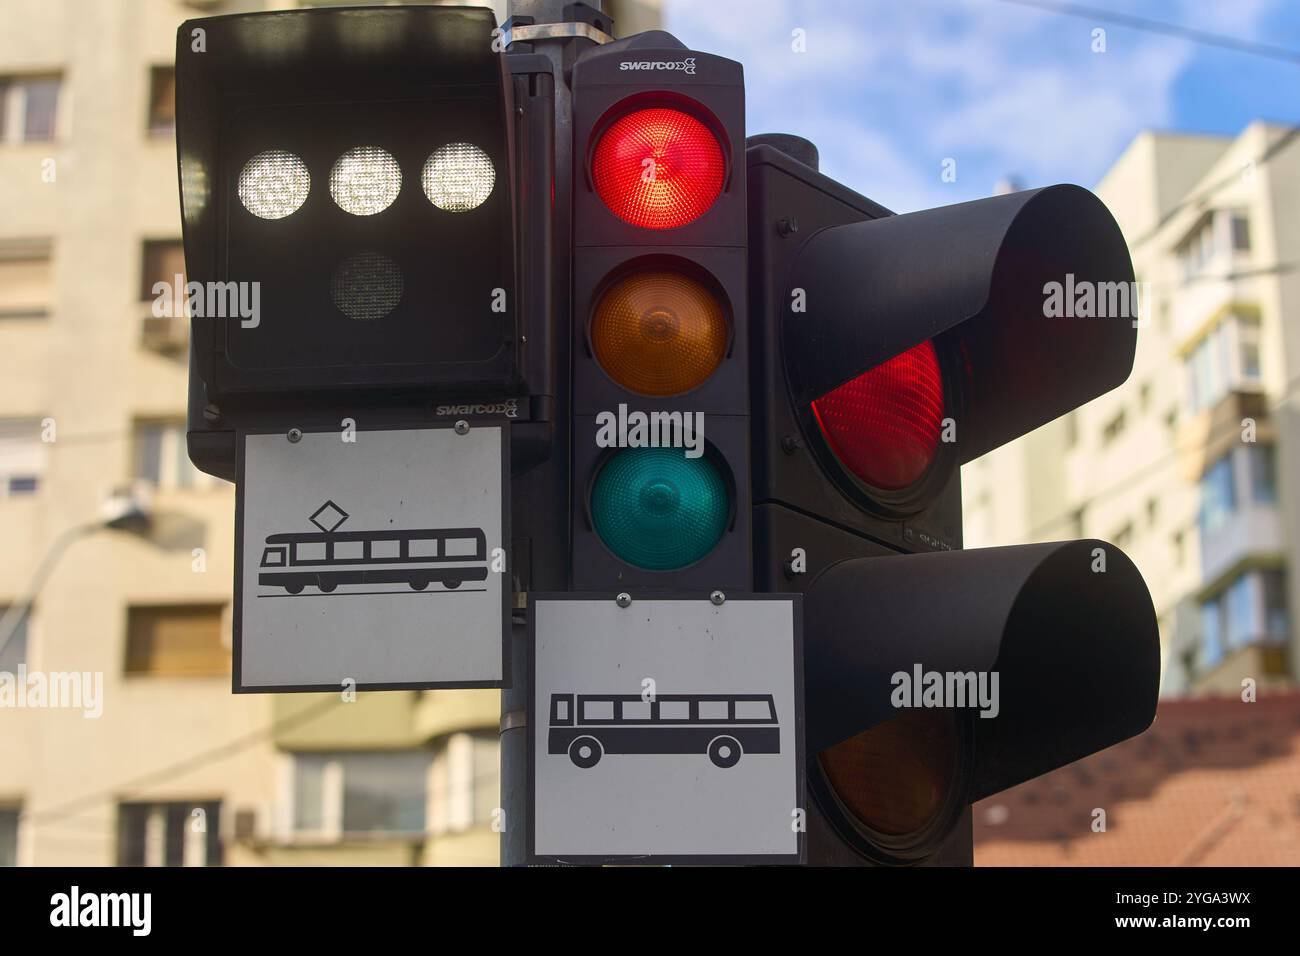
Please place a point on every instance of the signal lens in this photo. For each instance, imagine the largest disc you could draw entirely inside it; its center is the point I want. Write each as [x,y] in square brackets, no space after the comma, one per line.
[458,177]
[367,286]
[895,777]
[658,168]
[274,184]
[365,180]
[884,425]
[658,332]
[657,509]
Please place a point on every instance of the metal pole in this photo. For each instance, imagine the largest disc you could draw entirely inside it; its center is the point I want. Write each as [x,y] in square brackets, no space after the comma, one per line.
[550,528]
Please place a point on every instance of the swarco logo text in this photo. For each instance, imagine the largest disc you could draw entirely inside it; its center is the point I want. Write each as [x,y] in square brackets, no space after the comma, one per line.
[686,66]
[508,408]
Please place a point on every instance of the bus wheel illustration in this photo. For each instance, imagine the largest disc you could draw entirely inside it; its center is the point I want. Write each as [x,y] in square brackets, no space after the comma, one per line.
[327,586]
[293,588]
[418,584]
[452,583]
[724,752]
[585,752]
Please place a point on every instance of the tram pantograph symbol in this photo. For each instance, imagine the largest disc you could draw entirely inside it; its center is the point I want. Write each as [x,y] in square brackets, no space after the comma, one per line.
[329,558]
[722,726]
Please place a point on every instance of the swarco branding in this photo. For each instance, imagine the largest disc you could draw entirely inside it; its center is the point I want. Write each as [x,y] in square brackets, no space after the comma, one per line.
[509,408]
[685,66]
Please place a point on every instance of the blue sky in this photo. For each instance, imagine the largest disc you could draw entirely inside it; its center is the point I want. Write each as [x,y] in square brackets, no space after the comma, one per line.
[888,89]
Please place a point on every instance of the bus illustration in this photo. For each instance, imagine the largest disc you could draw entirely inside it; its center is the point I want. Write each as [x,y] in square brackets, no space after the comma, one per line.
[722,726]
[328,558]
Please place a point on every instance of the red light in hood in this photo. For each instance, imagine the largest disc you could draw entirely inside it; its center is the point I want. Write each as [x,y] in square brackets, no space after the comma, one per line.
[884,425]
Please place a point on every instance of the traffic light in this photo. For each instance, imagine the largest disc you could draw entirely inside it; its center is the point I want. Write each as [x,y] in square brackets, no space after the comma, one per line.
[348,177]
[660,399]
[888,351]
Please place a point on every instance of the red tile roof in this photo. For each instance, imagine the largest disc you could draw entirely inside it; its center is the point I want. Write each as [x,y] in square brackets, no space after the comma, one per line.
[1214,781]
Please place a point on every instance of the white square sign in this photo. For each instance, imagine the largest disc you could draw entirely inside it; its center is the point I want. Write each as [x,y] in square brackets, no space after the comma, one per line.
[669,730]
[379,560]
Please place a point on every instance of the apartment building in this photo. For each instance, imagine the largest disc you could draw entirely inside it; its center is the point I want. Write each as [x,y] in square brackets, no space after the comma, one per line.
[1193,465]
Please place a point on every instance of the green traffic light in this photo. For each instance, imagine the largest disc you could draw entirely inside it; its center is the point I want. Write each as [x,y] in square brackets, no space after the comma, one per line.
[657,509]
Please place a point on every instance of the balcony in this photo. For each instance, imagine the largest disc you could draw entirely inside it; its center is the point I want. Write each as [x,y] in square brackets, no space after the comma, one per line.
[1206,436]
[1264,662]
[1204,299]
[1252,530]
[382,721]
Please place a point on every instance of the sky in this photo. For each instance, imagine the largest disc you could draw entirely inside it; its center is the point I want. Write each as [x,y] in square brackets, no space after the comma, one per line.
[890,89]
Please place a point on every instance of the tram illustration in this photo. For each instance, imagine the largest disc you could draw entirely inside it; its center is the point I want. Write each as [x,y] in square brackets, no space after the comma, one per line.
[721,726]
[327,559]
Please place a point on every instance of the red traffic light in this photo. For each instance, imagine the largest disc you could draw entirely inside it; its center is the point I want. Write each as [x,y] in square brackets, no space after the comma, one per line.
[658,168]
[884,425]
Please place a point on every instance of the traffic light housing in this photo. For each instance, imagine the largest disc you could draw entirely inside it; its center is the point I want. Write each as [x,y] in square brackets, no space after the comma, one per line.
[660,332]
[351,173]
[889,350]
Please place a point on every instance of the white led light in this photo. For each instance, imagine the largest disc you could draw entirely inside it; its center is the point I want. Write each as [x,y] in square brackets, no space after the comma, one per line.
[273,184]
[458,177]
[365,180]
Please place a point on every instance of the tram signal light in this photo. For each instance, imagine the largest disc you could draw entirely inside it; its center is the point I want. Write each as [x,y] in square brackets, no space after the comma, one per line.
[355,168]
[892,350]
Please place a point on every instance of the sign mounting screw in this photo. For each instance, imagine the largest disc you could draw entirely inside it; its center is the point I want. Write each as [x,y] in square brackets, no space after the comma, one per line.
[623,599]
[295,435]
[462,427]
[718,598]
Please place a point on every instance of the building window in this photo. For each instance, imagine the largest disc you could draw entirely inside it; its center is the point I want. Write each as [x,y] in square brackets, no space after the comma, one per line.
[22,457]
[1263,473]
[1114,428]
[1240,232]
[162,101]
[13,651]
[1219,230]
[1218,495]
[1198,248]
[465,782]
[8,836]
[162,459]
[26,279]
[29,108]
[176,641]
[360,794]
[1251,609]
[1277,621]
[162,260]
[182,833]
[1224,360]
[1211,634]
[1238,613]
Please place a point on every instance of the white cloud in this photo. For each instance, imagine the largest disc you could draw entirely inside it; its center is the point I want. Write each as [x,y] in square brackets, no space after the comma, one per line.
[888,89]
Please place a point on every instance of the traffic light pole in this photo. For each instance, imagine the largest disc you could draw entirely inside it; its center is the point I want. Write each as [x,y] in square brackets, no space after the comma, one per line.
[540,497]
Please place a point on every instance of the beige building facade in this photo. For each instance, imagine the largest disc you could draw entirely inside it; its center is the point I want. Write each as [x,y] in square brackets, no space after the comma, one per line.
[1193,465]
